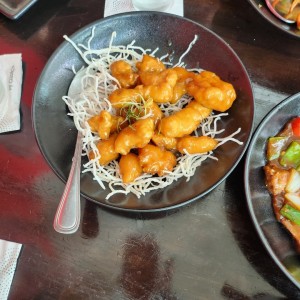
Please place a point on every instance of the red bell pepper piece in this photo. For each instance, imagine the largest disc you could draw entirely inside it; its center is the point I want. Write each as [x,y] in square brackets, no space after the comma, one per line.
[296,126]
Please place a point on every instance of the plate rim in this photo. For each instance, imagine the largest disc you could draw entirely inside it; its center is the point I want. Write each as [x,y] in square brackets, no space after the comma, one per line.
[254,219]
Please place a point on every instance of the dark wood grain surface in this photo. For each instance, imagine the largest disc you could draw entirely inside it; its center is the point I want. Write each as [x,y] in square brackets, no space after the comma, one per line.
[207,250]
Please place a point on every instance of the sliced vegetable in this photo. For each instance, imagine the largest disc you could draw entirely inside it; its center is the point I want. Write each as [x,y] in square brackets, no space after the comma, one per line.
[293,200]
[293,184]
[275,144]
[291,213]
[296,125]
[291,157]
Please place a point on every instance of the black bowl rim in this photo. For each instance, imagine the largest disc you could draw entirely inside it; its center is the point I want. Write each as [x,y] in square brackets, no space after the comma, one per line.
[128,14]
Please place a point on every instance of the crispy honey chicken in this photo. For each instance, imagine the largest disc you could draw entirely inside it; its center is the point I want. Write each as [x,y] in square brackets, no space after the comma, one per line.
[155,160]
[150,64]
[185,121]
[105,124]
[106,150]
[210,91]
[168,143]
[139,124]
[130,167]
[162,89]
[133,136]
[195,144]
[123,72]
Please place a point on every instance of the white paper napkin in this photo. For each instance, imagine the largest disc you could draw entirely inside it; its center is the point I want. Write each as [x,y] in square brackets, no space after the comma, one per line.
[10,91]
[9,253]
[113,7]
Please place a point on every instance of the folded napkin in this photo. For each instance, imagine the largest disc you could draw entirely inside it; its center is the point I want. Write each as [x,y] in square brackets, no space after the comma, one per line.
[10,91]
[113,7]
[9,253]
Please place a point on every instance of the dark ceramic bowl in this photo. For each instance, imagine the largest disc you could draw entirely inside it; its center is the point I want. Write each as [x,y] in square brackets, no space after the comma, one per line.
[56,133]
[276,239]
[262,8]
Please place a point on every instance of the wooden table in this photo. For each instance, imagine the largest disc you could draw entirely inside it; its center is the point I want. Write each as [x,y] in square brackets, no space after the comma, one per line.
[207,250]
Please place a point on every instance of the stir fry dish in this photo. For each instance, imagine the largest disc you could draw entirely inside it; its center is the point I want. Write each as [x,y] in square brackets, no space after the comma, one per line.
[289,9]
[283,176]
[147,122]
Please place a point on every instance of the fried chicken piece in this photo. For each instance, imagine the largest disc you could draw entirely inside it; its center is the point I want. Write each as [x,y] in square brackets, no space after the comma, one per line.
[178,91]
[130,167]
[157,114]
[152,78]
[180,88]
[195,144]
[185,121]
[124,73]
[161,88]
[168,143]
[150,64]
[155,160]
[105,123]
[136,135]
[175,77]
[123,97]
[157,81]
[210,91]
[106,150]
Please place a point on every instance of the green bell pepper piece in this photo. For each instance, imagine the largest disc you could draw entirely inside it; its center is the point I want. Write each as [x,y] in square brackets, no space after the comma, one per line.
[291,213]
[291,157]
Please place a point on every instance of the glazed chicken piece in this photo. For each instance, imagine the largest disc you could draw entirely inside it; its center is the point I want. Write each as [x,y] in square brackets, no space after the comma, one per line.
[136,135]
[161,91]
[183,74]
[157,81]
[180,88]
[155,160]
[106,150]
[178,91]
[152,78]
[124,73]
[105,124]
[150,64]
[163,142]
[156,112]
[156,77]
[194,144]
[175,77]
[130,167]
[210,91]
[122,97]
[185,121]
